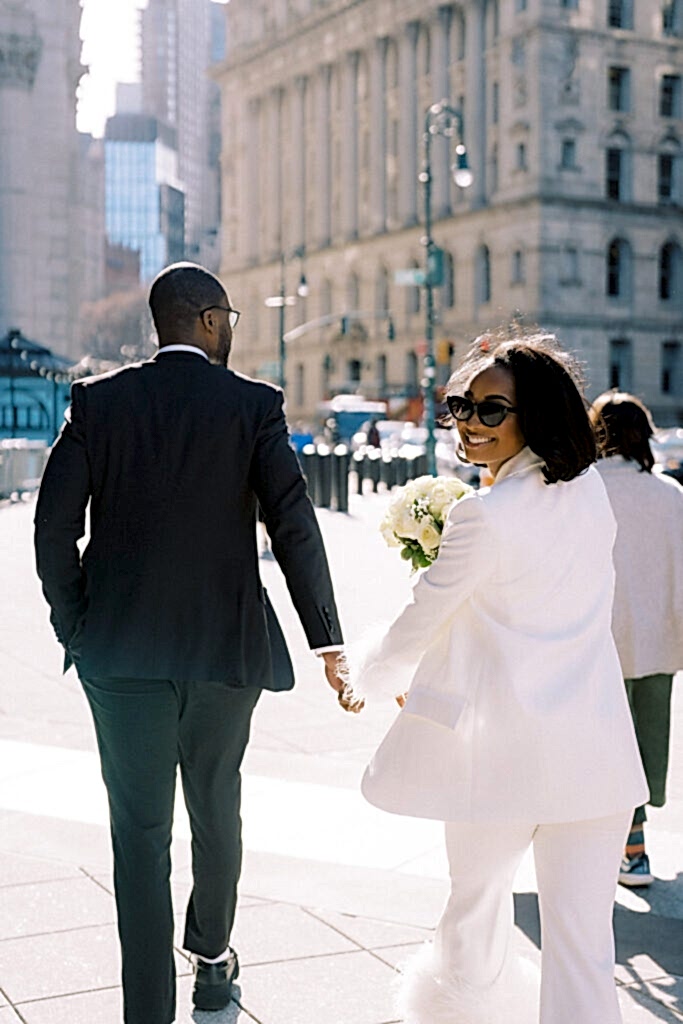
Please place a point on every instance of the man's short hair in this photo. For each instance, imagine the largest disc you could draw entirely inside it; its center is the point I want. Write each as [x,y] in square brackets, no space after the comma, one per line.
[179,293]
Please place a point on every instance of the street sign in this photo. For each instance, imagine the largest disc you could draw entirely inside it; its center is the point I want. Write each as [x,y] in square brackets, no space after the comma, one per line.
[413,277]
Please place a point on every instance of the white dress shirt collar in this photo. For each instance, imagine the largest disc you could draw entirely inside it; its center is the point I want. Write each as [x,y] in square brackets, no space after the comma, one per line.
[523,461]
[183,348]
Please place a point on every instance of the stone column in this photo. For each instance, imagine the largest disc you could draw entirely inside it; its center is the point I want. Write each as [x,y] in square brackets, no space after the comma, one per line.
[442,148]
[475,102]
[409,139]
[349,182]
[323,163]
[20,52]
[252,170]
[298,144]
[378,136]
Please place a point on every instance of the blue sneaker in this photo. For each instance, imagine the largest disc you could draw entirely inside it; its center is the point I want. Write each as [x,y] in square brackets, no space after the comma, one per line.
[635,871]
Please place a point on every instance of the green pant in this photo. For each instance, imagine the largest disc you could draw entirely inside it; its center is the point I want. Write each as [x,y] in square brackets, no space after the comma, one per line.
[650,700]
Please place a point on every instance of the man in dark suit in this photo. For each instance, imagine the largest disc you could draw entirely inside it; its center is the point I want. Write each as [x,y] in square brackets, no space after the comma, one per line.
[165,616]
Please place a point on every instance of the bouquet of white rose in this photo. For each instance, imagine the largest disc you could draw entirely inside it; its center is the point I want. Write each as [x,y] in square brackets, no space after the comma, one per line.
[415,517]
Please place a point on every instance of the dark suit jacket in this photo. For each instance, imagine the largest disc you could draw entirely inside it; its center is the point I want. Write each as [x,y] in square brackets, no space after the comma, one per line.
[172,455]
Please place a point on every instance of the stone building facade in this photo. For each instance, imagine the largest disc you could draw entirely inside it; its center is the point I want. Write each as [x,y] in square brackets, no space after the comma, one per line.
[573,121]
[51,181]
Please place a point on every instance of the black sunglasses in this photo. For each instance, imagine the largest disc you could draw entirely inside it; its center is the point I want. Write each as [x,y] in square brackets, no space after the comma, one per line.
[490,413]
[233,314]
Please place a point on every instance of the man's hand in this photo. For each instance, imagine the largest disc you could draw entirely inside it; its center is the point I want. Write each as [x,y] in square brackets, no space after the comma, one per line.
[334,672]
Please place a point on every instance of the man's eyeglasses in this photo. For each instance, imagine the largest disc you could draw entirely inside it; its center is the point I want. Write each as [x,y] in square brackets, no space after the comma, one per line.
[490,413]
[233,314]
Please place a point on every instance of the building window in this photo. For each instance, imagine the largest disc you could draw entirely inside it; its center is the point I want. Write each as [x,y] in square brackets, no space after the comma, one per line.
[354,370]
[620,364]
[615,173]
[494,169]
[668,187]
[381,375]
[412,373]
[382,296]
[517,267]
[670,96]
[520,159]
[617,283]
[494,103]
[569,273]
[568,154]
[569,5]
[413,294]
[671,272]
[671,17]
[483,282]
[448,292]
[620,13]
[671,368]
[619,88]
[299,382]
[520,5]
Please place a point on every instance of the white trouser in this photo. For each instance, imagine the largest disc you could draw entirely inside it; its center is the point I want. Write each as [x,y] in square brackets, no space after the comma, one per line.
[472,977]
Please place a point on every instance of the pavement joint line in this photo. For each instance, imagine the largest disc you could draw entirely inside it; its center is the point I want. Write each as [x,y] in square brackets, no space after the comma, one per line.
[63,995]
[59,931]
[244,1010]
[349,938]
[299,959]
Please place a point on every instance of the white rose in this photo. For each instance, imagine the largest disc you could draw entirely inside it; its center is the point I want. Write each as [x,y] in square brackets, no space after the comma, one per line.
[407,525]
[429,537]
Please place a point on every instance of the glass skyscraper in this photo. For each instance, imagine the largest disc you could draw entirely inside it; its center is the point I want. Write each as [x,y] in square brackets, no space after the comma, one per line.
[145,201]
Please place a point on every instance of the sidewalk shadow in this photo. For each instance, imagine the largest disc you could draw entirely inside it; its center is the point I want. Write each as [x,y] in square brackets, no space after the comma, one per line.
[652,935]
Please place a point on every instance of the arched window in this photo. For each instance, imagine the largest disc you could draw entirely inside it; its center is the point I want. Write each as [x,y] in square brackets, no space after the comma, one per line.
[483,275]
[671,272]
[618,167]
[412,373]
[448,291]
[382,290]
[352,293]
[618,276]
[413,294]
[669,172]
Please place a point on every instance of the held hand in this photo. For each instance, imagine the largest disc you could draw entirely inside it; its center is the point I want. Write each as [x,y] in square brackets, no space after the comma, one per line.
[334,671]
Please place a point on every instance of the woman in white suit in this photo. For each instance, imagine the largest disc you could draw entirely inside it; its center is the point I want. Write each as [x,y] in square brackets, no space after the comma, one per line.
[516,729]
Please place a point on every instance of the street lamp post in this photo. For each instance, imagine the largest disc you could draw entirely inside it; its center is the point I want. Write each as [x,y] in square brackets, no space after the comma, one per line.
[440,119]
[279,302]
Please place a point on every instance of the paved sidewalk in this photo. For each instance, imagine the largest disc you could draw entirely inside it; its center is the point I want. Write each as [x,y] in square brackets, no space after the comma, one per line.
[334,893]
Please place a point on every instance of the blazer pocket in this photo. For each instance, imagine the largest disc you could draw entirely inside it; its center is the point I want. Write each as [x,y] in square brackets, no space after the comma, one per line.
[443,708]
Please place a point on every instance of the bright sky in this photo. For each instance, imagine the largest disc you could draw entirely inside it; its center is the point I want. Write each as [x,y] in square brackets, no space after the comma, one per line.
[109,33]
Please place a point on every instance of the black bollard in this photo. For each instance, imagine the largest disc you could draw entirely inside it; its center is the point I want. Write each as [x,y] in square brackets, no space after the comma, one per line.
[309,466]
[401,470]
[388,471]
[340,477]
[324,495]
[374,458]
[358,467]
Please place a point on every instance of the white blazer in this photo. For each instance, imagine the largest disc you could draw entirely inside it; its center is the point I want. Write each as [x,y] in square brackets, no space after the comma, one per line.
[648,558]
[516,709]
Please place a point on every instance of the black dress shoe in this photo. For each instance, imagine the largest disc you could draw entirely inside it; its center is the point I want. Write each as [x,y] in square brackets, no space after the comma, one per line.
[213,982]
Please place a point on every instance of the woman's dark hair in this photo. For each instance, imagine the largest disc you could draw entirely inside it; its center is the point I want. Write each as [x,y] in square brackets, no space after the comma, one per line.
[623,426]
[552,412]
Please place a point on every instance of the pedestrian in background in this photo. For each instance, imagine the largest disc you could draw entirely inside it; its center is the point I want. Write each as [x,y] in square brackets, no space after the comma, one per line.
[648,600]
[165,617]
[516,730]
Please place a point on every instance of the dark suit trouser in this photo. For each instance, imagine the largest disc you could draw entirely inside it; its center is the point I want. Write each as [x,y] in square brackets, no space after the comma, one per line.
[145,730]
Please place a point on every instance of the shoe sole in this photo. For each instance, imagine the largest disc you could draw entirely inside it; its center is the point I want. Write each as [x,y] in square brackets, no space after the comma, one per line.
[636,881]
